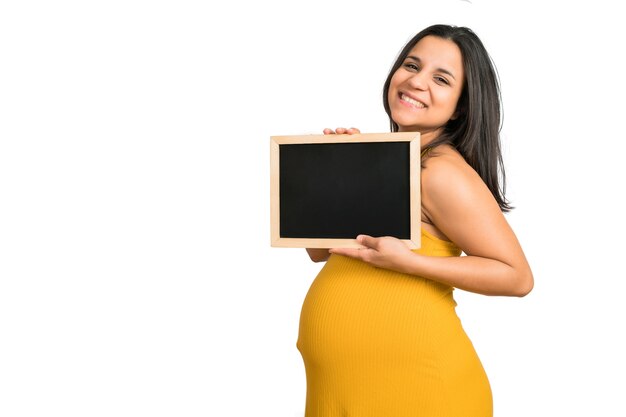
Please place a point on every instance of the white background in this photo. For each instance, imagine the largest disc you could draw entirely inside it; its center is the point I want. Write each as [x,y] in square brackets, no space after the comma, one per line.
[136,275]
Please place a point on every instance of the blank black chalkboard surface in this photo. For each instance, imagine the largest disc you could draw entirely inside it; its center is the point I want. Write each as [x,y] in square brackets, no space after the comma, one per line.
[327,189]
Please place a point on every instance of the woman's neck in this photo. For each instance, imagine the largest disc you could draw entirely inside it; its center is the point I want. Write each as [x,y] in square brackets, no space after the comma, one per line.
[428,137]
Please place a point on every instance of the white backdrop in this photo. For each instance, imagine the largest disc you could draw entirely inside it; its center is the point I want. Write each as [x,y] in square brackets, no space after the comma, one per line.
[136,275]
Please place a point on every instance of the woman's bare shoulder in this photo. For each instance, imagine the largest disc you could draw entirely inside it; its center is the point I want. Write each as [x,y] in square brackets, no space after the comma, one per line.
[445,169]
[450,185]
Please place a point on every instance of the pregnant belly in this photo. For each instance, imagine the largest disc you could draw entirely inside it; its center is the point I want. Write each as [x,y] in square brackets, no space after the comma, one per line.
[353,308]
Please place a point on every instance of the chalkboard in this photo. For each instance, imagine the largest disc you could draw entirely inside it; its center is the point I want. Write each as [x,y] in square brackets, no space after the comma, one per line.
[327,189]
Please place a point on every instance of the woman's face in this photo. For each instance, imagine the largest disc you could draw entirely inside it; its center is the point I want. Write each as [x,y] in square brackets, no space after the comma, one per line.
[425,90]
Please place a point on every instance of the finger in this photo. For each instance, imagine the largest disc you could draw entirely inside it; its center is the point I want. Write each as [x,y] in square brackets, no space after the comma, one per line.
[341,130]
[328,131]
[368,241]
[350,252]
[353,131]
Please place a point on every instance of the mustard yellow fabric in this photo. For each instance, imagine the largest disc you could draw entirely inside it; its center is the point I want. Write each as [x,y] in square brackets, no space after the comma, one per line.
[378,343]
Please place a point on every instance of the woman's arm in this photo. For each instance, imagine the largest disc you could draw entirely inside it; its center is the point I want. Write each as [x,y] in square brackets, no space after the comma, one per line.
[318,255]
[462,207]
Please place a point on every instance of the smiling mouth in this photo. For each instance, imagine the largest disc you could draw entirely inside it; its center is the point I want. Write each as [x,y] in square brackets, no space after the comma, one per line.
[412,101]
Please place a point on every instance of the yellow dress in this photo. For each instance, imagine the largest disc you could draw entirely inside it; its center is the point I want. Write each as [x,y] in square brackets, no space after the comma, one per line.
[378,343]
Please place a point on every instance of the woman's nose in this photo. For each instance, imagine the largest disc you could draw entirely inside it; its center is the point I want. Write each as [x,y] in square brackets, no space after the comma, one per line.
[418,81]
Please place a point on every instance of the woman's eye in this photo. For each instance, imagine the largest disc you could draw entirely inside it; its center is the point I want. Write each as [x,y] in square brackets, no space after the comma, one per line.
[441,80]
[411,66]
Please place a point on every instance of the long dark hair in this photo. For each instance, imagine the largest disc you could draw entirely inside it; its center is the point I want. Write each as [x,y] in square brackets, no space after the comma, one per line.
[475,133]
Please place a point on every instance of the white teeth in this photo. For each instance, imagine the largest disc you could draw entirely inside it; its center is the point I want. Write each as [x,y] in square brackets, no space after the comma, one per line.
[413,102]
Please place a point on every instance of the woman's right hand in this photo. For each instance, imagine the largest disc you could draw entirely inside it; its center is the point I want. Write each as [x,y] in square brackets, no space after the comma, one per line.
[342,131]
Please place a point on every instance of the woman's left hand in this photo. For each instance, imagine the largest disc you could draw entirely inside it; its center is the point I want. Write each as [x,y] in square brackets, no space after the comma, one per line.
[384,252]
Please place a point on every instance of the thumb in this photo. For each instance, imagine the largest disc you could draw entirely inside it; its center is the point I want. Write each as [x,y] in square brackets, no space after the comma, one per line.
[367,241]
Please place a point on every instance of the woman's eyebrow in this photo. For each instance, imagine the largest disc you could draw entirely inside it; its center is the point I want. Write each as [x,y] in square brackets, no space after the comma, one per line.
[419,61]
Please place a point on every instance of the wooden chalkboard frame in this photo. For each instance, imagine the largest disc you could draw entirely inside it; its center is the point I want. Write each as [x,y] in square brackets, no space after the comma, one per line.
[413,139]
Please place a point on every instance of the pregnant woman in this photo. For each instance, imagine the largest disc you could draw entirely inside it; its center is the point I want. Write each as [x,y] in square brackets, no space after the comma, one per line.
[379,333]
